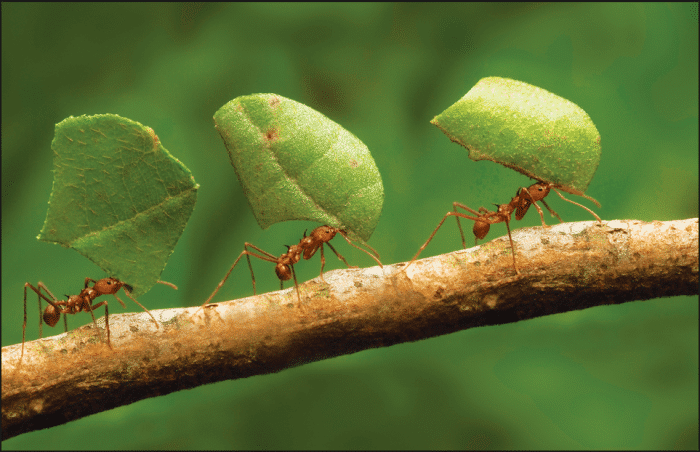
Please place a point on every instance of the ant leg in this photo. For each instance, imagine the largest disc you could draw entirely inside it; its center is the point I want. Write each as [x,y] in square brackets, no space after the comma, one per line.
[526,200]
[323,262]
[119,300]
[55,303]
[373,251]
[223,281]
[136,301]
[482,228]
[40,295]
[512,246]
[470,210]
[250,266]
[340,256]
[94,322]
[41,310]
[109,342]
[582,206]
[450,213]
[375,256]
[167,284]
[554,214]
[296,284]
[267,257]
[459,225]
[24,324]
[531,201]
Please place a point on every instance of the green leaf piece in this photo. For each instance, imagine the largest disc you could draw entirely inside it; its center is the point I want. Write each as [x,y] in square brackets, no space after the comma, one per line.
[119,198]
[296,164]
[527,129]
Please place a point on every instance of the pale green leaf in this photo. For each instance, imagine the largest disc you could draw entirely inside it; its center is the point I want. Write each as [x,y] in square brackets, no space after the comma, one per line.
[527,129]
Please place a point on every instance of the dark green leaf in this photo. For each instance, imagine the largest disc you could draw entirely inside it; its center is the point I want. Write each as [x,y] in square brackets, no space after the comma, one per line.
[119,198]
[525,128]
[296,164]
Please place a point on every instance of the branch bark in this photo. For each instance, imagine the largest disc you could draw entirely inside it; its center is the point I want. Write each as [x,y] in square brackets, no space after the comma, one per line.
[567,267]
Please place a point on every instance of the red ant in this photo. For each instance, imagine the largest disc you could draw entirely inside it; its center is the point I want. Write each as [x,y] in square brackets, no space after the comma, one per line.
[307,247]
[78,303]
[521,202]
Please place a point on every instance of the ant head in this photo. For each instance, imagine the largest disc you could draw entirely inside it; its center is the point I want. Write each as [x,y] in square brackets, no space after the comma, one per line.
[284,272]
[542,186]
[324,233]
[108,286]
[51,315]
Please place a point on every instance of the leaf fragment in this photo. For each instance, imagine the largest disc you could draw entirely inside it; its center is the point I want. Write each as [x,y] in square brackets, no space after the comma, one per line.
[296,164]
[525,128]
[119,197]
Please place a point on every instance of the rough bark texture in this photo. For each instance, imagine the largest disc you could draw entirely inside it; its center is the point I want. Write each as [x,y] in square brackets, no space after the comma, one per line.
[563,268]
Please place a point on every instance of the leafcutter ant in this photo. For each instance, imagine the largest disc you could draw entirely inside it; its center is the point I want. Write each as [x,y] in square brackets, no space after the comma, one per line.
[306,248]
[521,202]
[79,303]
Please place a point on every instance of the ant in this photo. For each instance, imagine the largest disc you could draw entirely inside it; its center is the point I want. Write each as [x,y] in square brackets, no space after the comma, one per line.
[78,303]
[521,202]
[306,248]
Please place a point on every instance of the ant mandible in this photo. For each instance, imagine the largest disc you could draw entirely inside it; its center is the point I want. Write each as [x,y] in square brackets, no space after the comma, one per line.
[79,303]
[521,202]
[306,248]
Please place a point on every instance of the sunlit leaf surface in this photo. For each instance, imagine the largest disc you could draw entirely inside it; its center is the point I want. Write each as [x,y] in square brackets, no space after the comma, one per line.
[525,128]
[119,197]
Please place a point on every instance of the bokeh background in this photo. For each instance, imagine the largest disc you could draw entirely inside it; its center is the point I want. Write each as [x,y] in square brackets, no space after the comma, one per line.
[609,377]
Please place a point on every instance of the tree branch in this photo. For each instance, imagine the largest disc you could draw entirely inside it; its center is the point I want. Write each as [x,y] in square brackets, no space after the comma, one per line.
[567,267]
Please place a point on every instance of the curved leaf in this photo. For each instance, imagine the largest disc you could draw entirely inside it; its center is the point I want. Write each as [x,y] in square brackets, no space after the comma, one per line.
[525,128]
[296,164]
[119,198]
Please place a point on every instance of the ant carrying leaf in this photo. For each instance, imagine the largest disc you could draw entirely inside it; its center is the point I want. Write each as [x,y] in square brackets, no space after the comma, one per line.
[521,202]
[79,303]
[306,248]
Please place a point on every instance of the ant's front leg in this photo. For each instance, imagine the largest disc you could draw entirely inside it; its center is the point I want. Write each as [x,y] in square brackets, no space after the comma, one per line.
[374,255]
[554,214]
[340,256]
[580,205]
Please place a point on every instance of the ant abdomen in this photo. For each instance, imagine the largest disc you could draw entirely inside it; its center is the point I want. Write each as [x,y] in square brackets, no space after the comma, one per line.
[480,229]
[51,315]
[283,272]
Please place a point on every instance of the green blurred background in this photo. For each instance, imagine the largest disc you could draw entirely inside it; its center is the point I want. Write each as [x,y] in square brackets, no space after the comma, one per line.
[610,377]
